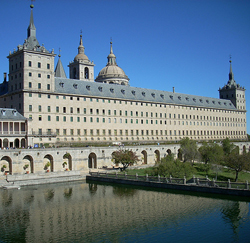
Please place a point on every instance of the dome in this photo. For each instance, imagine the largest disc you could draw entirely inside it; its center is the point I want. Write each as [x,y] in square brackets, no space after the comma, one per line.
[112,73]
[81,55]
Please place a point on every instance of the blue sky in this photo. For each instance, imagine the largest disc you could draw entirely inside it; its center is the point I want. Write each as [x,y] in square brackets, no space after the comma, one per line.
[159,44]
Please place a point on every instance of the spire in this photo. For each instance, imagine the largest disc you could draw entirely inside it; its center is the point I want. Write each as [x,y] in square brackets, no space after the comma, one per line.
[81,47]
[31,29]
[231,75]
[111,56]
[59,71]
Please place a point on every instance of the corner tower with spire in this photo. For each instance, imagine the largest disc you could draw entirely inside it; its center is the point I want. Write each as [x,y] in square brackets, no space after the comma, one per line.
[31,69]
[233,91]
[81,68]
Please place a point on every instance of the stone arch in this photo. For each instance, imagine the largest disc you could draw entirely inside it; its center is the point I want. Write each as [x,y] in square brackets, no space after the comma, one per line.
[92,160]
[244,149]
[169,151]
[6,143]
[48,158]
[17,143]
[23,143]
[68,159]
[179,155]
[157,156]
[144,157]
[86,73]
[28,159]
[6,160]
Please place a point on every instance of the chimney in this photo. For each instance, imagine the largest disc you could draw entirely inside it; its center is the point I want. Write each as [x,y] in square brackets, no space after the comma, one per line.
[4,77]
[173,89]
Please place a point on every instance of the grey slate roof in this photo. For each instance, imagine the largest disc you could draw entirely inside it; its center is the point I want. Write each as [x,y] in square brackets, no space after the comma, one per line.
[113,91]
[59,71]
[11,114]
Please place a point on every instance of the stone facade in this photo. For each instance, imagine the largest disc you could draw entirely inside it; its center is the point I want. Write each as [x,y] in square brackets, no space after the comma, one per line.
[79,109]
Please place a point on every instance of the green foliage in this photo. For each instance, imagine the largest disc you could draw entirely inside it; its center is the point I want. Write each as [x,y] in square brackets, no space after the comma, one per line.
[170,166]
[227,146]
[189,149]
[47,165]
[237,162]
[203,167]
[211,153]
[125,157]
[4,167]
[26,166]
[66,156]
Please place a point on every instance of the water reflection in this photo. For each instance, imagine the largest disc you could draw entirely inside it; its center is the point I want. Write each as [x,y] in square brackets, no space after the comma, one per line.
[91,212]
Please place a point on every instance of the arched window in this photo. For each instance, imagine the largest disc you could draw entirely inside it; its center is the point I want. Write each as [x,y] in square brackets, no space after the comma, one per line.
[86,73]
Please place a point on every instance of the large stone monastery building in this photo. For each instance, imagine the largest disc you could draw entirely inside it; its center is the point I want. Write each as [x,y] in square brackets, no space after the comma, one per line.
[83,108]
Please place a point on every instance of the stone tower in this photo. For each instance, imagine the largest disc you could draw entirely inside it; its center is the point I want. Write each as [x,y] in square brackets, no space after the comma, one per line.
[81,68]
[31,69]
[234,92]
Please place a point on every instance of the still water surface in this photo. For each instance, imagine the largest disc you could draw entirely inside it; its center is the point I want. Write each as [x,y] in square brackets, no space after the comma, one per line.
[84,212]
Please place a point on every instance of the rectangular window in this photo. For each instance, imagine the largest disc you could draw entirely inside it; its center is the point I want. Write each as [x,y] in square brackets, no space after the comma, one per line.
[40,118]
[30,107]
[48,66]
[64,131]
[71,131]
[71,118]
[30,64]
[64,109]
[84,111]
[78,110]
[64,118]
[39,75]
[48,76]
[39,85]
[30,94]
[103,120]
[39,108]
[85,132]
[78,119]
[78,131]
[48,108]
[30,85]
[71,109]
[57,109]
[39,95]
[57,131]
[39,65]
[30,74]
[57,118]
[48,86]
[49,118]
[109,132]
[97,119]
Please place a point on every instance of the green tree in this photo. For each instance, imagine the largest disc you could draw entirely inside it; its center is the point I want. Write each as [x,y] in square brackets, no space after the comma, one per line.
[189,150]
[227,146]
[211,153]
[125,157]
[170,166]
[237,162]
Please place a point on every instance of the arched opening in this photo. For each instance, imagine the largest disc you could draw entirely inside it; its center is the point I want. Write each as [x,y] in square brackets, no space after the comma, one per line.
[7,163]
[244,149]
[92,161]
[16,143]
[86,73]
[67,161]
[144,157]
[179,154]
[28,160]
[23,142]
[74,73]
[48,162]
[169,151]
[157,156]
[5,143]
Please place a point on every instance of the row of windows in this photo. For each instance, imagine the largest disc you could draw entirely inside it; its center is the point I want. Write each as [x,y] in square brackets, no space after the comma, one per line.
[39,65]
[142,114]
[132,132]
[136,103]
[39,86]
[39,75]
[137,121]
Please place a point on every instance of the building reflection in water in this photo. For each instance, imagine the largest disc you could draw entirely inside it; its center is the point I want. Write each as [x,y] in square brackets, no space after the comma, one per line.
[76,211]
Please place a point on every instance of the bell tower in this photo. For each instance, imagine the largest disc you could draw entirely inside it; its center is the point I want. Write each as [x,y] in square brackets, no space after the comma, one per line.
[233,91]
[81,68]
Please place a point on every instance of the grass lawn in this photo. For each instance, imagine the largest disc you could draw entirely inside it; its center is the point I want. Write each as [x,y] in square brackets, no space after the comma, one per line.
[223,174]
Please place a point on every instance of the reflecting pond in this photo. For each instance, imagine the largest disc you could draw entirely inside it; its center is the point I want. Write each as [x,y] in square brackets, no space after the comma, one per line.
[97,212]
